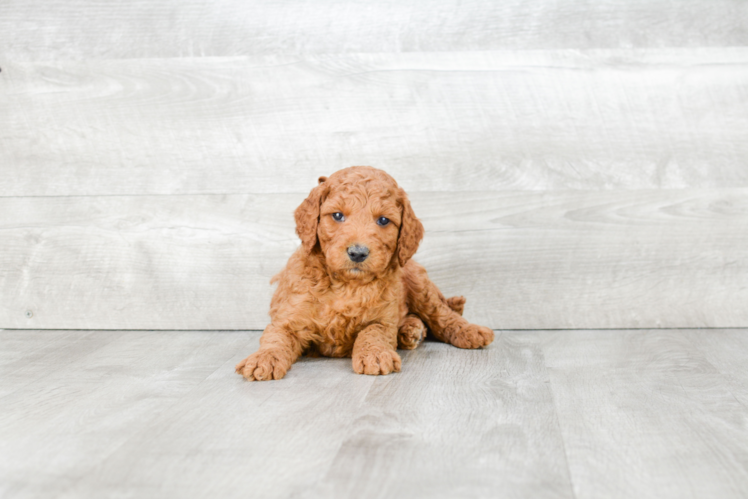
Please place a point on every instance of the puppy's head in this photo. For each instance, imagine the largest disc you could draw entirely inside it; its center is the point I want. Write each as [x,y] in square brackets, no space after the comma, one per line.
[361,221]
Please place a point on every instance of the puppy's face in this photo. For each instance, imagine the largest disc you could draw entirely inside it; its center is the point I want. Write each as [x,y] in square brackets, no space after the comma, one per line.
[362,222]
[358,230]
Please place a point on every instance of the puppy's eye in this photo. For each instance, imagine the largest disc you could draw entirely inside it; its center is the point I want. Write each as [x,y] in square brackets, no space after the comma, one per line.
[338,216]
[383,221]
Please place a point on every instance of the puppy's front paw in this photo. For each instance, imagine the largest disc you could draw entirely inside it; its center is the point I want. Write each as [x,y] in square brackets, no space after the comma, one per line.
[265,364]
[377,361]
[472,336]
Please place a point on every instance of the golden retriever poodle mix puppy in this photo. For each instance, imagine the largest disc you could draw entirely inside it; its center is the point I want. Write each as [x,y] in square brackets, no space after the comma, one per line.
[351,289]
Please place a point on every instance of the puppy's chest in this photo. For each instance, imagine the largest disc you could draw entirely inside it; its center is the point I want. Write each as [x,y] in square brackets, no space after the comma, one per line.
[343,314]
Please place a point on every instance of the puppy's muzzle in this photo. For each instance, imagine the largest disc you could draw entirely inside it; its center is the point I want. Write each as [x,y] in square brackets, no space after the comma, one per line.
[358,253]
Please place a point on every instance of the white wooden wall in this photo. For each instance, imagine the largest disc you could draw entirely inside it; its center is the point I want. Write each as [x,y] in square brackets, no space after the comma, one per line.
[577,164]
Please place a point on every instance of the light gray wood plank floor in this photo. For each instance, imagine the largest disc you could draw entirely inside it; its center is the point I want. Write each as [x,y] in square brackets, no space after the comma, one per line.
[586,413]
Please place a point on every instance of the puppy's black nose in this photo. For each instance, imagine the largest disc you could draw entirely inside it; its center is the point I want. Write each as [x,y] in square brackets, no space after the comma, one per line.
[358,253]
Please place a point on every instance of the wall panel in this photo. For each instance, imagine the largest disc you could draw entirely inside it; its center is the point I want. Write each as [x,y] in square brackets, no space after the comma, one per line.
[618,259]
[45,30]
[514,120]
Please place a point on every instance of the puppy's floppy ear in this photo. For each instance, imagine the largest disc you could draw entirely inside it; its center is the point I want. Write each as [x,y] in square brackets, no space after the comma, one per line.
[411,231]
[307,216]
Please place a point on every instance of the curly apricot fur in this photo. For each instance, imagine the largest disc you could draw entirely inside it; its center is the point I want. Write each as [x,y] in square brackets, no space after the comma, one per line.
[328,304]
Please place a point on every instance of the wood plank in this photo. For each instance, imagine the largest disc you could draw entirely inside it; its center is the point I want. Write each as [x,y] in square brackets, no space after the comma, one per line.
[453,121]
[644,414]
[232,438]
[54,30]
[456,424]
[227,437]
[19,345]
[674,258]
[726,351]
[142,262]
[621,259]
[161,414]
[55,430]
[27,355]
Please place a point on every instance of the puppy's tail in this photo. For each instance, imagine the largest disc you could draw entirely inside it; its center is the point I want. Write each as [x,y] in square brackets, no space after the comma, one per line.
[457,304]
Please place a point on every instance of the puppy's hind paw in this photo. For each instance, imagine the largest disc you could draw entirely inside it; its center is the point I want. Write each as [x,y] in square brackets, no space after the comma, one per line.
[457,304]
[265,364]
[472,336]
[411,333]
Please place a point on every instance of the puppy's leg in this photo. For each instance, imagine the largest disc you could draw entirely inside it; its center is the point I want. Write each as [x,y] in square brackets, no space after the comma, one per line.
[411,333]
[279,349]
[412,330]
[439,313]
[374,351]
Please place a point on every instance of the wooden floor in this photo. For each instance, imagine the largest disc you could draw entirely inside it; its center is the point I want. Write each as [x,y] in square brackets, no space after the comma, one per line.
[606,413]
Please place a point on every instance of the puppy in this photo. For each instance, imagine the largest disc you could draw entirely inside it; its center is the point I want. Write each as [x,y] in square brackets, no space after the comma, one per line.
[351,289]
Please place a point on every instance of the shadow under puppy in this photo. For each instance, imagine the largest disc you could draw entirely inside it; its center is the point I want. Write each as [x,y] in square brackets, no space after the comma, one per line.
[351,289]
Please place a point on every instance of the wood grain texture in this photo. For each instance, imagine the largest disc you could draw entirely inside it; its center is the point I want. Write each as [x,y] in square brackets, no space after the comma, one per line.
[54,30]
[456,424]
[67,414]
[233,438]
[26,354]
[474,423]
[645,414]
[611,259]
[510,120]
[143,262]
[724,349]
[537,414]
